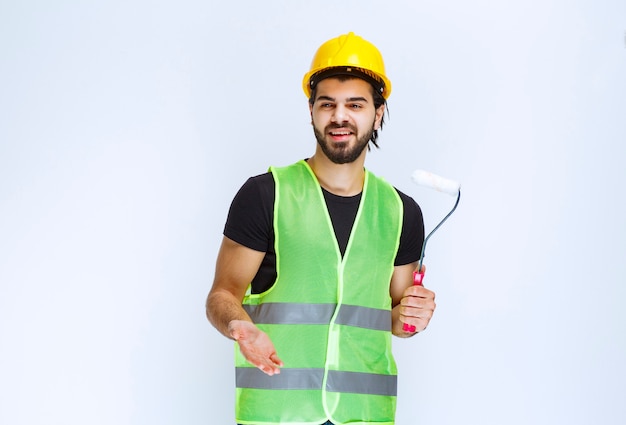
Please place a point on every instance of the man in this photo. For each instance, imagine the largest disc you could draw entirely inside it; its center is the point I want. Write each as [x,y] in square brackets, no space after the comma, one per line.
[315,270]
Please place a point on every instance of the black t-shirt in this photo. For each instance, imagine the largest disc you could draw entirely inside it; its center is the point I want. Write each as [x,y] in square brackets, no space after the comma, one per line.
[251,215]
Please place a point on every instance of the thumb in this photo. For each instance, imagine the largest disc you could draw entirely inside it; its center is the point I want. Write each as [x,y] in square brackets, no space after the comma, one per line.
[236,329]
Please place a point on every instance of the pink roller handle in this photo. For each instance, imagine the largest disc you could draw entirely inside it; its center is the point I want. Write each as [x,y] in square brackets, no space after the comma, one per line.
[418,278]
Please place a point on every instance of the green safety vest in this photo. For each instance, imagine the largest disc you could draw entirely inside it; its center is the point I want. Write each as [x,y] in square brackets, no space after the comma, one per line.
[329,317]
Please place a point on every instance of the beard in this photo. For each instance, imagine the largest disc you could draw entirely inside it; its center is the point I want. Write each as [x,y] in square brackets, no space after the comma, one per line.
[342,153]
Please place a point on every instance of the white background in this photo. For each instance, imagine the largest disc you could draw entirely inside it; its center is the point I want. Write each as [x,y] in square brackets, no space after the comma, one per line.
[126,127]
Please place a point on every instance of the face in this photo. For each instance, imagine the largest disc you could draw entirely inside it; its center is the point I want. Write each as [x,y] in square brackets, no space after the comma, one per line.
[344,117]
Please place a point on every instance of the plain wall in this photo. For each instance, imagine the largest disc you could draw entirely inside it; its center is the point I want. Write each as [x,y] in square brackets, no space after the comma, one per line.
[127,127]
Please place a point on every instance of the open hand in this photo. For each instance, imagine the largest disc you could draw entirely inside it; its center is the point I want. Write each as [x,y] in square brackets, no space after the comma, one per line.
[255,346]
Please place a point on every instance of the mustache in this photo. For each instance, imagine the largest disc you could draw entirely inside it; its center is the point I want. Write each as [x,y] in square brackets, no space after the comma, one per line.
[334,126]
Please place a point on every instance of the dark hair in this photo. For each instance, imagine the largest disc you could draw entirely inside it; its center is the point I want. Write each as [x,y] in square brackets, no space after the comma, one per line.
[379,100]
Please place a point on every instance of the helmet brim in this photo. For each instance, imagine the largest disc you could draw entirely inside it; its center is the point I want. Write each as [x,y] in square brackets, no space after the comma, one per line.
[379,82]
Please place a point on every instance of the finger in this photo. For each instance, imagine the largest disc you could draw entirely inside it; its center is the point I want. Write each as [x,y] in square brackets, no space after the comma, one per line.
[416,313]
[234,331]
[277,361]
[418,291]
[417,317]
[239,329]
[421,302]
[410,329]
[420,313]
[414,327]
[269,368]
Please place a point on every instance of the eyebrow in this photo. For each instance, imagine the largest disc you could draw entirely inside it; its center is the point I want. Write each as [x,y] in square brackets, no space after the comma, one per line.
[350,99]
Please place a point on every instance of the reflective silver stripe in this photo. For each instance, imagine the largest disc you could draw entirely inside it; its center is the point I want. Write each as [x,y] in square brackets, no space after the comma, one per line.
[291,313]
[362,383]
[311,379]
[319,314]
[287,379]
[364,317]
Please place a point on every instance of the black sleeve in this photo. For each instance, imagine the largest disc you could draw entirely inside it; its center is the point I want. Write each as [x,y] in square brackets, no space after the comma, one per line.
[249,220]
[412,236]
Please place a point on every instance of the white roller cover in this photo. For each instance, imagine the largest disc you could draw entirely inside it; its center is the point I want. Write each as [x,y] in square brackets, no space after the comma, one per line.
[425,178]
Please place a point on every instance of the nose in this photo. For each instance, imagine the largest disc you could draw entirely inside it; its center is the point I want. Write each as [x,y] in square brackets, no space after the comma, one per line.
[340,114]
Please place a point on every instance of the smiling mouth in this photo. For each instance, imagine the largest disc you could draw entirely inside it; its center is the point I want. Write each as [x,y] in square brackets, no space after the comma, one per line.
[340,133]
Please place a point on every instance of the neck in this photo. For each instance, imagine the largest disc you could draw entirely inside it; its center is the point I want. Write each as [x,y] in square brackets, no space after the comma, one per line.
[339,179]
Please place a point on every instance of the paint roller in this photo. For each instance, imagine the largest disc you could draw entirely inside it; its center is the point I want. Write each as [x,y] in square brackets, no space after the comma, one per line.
[440,184]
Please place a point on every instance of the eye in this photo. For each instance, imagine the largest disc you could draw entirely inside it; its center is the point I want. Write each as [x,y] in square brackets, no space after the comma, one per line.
[355,106]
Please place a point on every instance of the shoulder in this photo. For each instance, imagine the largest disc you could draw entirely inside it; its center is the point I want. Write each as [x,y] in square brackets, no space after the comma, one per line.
[258,185]
[412,235]
[250,215]
[411,207]
[257,191]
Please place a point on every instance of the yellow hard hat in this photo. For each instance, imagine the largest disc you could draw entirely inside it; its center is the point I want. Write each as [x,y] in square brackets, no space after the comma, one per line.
[348,54]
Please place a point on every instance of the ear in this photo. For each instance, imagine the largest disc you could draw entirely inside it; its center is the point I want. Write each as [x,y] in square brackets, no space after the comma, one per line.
[311,111]
[380,112]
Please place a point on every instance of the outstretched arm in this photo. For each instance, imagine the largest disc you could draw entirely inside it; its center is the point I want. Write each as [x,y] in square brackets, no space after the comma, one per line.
[235,268]
[412,304]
